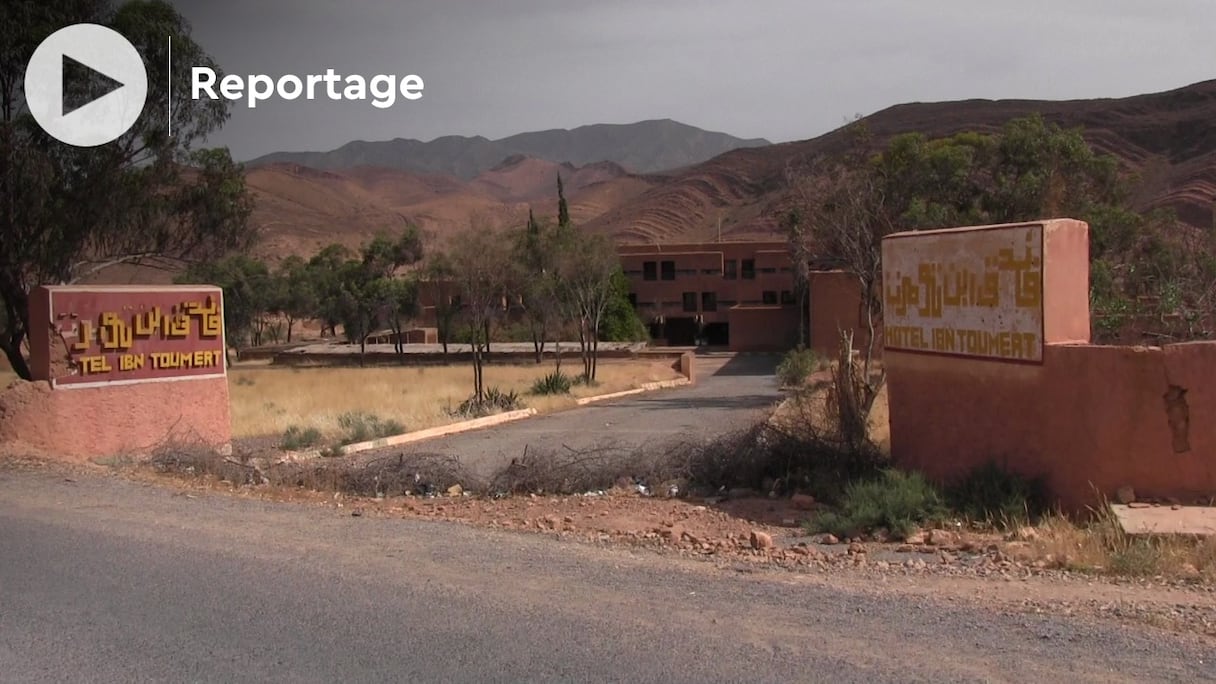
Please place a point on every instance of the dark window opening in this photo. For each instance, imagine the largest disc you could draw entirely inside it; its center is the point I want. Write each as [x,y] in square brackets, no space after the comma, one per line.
[667,270]
[749,269]
[787,297]
[633,299]
[770,297]
[732,270]
[690,301]
[650,270]
[709,301]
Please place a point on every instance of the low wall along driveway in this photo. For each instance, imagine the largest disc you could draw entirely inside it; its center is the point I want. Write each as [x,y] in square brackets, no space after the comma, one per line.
[987,358]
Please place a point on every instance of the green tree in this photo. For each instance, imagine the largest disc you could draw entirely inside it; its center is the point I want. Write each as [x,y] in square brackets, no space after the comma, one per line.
[394,301]
[534,261]
[247,295]
[482,276]
[586,266]
[621,322]
[297,292]
[69,213]
[439,276]
[563,208]
[324,272]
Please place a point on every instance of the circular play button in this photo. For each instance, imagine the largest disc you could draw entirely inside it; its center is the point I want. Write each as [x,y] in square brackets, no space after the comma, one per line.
[86,85]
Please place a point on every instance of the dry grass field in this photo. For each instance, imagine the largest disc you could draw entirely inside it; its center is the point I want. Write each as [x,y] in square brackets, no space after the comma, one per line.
[268,400]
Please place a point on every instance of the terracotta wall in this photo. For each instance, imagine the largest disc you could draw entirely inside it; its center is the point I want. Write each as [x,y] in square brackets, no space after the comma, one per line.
[83,423]
[120,414]
[835,304]
[1090,419]
[763,328]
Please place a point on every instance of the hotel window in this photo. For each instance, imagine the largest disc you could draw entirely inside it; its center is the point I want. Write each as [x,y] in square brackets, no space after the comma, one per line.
[633,299]
[749,269]
[650,271]
[709,301]
[787,297]
[770,297]
[690,302]
[667,270]
[731,270]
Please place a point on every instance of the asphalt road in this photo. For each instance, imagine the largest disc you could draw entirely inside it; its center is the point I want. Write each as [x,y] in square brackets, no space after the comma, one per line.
[731,392]
[104,580]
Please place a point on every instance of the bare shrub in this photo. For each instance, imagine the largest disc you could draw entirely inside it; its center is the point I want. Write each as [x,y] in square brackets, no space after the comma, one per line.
[397,475]
[200,460]
[570,471]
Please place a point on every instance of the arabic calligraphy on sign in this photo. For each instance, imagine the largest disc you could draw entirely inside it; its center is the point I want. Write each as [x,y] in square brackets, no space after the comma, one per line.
[972,293]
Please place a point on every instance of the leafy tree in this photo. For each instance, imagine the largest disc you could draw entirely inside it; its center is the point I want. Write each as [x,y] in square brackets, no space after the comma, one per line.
[394,301]
[534,261]
[481,275]
[68,213]
[367,291]
[621,322]
[296,291]
[247,295]
[586,267]
[563,208]
[323,274]
[440,277]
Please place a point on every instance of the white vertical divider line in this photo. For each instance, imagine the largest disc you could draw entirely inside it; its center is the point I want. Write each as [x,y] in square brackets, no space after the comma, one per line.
[170,84]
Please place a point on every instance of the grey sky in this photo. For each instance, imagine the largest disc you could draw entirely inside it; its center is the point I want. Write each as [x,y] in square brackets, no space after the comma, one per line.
[779,69]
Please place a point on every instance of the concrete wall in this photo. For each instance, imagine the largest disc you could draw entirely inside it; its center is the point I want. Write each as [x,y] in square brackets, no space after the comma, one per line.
[1088,419]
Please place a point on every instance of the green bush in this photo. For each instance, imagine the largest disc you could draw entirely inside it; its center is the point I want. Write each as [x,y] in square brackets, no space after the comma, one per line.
[896,500]
[992,494]
[796,367]
[556,382]
[296,438]
[361,427]
[493,400]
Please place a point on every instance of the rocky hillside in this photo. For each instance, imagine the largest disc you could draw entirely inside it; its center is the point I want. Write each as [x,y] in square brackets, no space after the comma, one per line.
[1167,138]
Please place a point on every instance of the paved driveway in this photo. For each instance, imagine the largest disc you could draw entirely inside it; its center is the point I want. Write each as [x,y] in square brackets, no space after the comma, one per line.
[731,392]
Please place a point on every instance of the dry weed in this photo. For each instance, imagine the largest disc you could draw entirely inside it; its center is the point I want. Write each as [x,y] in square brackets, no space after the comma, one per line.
[1100,545]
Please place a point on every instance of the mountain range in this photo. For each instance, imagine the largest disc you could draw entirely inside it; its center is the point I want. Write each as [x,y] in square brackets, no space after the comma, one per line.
[644,182]
[642,147]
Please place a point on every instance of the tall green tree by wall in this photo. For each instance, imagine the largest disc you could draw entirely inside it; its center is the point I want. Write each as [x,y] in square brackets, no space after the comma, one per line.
[67,213]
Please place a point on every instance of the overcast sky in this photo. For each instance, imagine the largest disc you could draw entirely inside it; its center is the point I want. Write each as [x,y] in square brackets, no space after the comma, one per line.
[778,69]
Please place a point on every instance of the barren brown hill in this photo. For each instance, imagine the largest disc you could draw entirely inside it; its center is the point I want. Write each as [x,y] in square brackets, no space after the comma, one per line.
[298,209]
[1167,138]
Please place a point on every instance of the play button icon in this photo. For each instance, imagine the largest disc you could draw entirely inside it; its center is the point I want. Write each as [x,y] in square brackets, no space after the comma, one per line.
[86,85]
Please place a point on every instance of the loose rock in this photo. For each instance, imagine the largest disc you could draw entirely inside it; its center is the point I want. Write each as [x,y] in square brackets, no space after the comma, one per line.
[761,540]
[1125,494]
[803,502]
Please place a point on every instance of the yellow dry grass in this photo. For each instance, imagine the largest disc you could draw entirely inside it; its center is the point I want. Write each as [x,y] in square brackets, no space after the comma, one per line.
[1101,546]
[267,400]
